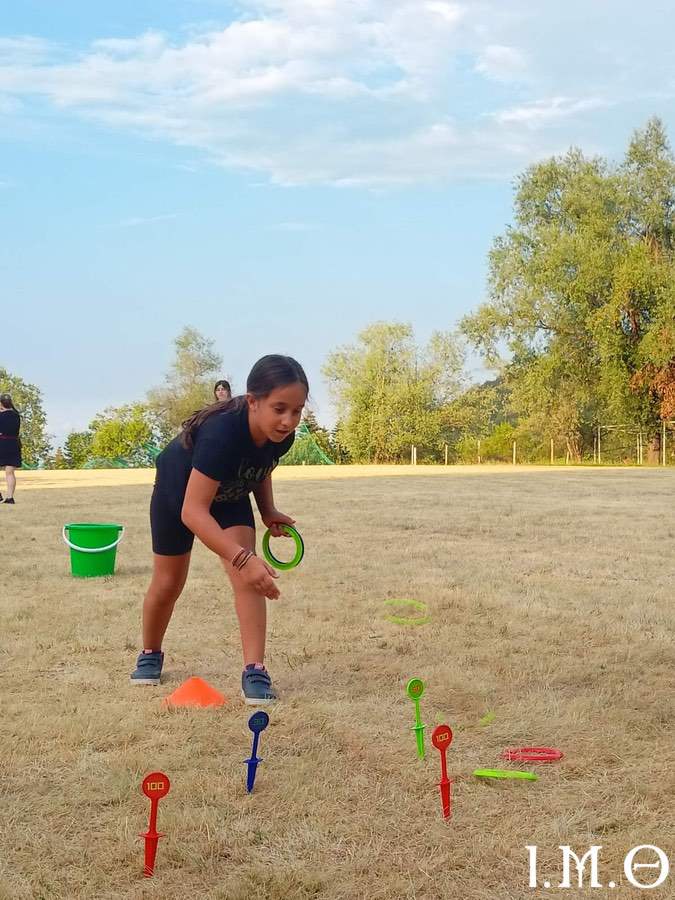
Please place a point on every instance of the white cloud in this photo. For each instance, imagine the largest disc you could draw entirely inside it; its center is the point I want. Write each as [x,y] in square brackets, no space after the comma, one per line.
[22,50]
[542,112]
[449,12]
[363,92]
[501,63]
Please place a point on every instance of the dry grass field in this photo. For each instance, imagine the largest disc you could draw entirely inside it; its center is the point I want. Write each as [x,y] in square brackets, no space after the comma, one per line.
[550,596]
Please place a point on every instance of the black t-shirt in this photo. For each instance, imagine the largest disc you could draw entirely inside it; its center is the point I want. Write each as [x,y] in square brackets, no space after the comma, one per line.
[223,450]
[10,423]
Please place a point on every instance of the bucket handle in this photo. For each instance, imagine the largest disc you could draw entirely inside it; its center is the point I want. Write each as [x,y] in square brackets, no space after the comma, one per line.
[92,549]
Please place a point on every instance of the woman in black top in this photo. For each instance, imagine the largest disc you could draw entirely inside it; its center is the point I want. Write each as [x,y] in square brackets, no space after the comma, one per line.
[222,391]
[10,444]
[204,478]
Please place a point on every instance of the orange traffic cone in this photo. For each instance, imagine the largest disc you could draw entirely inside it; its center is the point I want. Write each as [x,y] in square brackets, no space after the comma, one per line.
[195,692]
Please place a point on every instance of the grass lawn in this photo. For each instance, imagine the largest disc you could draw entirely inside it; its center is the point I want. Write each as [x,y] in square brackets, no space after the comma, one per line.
[550,599]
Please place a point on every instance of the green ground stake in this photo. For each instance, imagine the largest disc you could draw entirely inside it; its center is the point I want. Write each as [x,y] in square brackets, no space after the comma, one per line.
[407,620]
[415,689]
[506,773]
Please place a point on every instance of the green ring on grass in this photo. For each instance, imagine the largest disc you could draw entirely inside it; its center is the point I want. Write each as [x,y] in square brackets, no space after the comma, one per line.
[406,620]
[299,549]
[506,773]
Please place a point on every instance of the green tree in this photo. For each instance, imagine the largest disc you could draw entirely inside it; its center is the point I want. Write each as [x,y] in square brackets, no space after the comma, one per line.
[77,449]
[124,432]
[59,461]
[27,399]
[581,292]
[338,452]
[189,383]
[320,435]
[474,414]
[389,393]
[649,176]
[498,446]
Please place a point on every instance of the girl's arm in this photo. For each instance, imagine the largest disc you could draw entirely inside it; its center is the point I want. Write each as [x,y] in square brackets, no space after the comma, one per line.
[196,516]
[263,496]
[268,511]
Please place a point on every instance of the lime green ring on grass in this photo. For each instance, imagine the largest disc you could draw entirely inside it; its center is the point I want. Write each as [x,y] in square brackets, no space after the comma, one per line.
[407,620]
[299,549]
[506,773]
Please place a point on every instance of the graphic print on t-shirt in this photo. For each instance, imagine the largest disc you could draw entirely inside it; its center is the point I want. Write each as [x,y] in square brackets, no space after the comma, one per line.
[248,477]
[224,451]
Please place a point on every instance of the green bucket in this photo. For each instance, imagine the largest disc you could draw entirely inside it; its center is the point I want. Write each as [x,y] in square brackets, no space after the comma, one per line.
[92,548]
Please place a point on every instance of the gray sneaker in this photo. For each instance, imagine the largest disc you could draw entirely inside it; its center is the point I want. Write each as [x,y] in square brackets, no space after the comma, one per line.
[148,668]
[256,685]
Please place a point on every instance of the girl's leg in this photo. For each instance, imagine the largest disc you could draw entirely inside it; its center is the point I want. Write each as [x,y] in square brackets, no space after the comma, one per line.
[250,606]
[168,579]
[11,481]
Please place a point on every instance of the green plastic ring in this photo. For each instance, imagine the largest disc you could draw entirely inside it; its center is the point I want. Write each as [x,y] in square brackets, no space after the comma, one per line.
[299,549]
[506,773]
[408,620]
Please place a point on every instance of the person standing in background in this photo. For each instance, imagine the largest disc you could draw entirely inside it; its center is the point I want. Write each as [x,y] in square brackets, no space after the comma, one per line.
[222,391]
[10,444]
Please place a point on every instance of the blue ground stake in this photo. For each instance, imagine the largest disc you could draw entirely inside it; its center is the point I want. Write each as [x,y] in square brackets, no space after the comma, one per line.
[257,723]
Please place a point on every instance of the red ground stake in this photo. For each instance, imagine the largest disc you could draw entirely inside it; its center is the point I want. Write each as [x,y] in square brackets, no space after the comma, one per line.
[441,738]
[155,786]
[151,841]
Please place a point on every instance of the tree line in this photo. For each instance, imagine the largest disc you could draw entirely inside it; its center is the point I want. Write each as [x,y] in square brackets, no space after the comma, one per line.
[578,329]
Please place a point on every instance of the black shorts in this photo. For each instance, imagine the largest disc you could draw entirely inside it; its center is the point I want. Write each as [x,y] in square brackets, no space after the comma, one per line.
[170,537]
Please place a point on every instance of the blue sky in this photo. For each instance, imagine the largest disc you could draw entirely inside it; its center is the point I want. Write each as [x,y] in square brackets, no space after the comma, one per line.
[280,173]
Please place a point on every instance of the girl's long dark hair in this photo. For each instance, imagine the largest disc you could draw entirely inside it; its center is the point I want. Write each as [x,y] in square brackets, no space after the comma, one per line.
[268,373]
[6,401]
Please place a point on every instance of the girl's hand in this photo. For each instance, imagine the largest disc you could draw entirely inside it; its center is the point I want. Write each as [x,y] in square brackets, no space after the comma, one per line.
[257,575]
[273,519]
